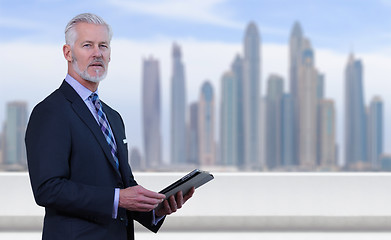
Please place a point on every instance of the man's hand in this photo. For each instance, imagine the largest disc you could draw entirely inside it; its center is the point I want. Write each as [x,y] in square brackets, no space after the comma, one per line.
[173,203]
[139,199]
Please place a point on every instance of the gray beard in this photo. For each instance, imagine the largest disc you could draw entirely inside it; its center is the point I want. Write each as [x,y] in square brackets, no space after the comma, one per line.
[85,75]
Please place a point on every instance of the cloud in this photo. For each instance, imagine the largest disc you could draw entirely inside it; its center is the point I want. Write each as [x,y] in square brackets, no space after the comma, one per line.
[203,11]
[19,23]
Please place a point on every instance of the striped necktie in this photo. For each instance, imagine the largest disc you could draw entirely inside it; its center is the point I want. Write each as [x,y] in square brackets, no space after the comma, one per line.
[105,127]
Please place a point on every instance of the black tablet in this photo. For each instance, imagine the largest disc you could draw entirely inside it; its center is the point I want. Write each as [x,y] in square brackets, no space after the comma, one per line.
[195,178]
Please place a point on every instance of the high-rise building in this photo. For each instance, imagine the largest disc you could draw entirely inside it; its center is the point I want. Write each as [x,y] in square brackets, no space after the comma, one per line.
[273,143]
[375,132]
[251,96]
[178,109]
[295,56]
[385,160]
[287,126]
[320,97]
[135,160]
[206,125]
[14,148]
[228,118]
[192,136]
[327,136]
[237,69]
[355,117]
[2,141]
[308,105]
[151,113]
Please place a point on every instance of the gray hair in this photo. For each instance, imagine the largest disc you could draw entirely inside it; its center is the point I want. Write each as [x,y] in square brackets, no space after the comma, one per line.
[70,33]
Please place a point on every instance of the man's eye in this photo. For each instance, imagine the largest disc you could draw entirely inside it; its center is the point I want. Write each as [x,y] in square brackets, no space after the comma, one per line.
[104,46]
[87,45]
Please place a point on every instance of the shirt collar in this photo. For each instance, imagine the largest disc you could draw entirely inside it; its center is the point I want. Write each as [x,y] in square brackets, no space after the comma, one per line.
[83,92]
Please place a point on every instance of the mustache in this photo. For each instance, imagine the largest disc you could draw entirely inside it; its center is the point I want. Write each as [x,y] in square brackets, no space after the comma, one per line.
[97,61]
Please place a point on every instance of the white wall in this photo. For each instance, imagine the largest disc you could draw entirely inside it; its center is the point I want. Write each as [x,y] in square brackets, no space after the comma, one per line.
[247,201]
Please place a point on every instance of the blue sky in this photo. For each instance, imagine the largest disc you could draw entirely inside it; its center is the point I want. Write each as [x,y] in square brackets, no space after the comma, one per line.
[210,33]
[337,24]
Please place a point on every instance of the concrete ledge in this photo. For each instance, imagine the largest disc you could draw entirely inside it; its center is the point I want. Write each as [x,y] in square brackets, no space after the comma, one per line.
[277,223]
[236,223]
[21,223]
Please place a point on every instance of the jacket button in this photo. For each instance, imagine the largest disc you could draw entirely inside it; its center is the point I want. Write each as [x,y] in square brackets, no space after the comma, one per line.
[122,219]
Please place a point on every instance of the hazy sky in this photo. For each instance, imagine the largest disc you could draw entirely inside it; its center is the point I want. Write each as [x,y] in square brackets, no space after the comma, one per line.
[210,34]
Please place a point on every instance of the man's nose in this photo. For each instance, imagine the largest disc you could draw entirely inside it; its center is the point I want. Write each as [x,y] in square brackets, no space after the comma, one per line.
[97,52]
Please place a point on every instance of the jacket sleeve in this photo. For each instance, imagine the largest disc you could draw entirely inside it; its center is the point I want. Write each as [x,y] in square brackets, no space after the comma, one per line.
[48,144]
[145,219]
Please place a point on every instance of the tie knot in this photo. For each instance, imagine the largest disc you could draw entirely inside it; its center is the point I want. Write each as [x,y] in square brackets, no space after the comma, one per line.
[94,98]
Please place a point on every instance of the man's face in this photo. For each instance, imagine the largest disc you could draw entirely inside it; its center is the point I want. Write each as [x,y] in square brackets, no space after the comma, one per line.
[91,52]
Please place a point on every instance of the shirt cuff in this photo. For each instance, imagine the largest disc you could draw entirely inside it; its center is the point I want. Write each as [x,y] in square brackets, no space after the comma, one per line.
[155,219]
[115,205]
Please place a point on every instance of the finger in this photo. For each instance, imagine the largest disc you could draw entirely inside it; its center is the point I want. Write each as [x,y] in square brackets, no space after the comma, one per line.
[173,204]
[167,208]
[149,201]
[146,207]
[152,194]
[179,199]
[188,194]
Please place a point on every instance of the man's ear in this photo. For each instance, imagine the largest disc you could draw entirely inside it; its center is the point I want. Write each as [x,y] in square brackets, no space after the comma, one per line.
[67,52]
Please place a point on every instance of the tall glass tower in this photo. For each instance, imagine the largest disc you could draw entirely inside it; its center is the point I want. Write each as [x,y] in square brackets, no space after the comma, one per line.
[192,135]
[251,96]
[178,109]
[274,97]
[206,125]
[15,128]
[287,126]
[375,132]
[295,55]
[228,117]
[308,108]
[151,113]
[327,129]
[237,69]
[355,117]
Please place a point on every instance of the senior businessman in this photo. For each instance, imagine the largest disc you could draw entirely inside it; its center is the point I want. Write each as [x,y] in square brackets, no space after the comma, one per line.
[77,151]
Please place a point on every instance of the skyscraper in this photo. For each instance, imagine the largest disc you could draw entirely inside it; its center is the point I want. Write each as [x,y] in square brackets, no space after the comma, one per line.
[274,97]
[178,108]
[237,69]
[135,160]
[151,113]
[385,160]
[228,118]
[308,105]
[295,56]
[327,136]
[375,132]
[320,97]
[192,137]
[14,148]
[287,158]
[251,96]
[355,123]
[2,147]
[206,125]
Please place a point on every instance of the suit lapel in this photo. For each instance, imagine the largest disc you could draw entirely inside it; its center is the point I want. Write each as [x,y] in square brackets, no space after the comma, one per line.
[85,115]
[119,135]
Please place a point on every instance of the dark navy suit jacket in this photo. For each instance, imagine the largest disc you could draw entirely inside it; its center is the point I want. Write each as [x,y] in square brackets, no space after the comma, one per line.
[73,174]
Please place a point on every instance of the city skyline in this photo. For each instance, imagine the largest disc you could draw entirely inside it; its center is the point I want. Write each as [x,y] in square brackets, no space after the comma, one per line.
[199,53]
[314,130]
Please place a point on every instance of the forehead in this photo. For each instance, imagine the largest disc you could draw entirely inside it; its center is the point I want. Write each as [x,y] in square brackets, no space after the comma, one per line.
[92,32]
